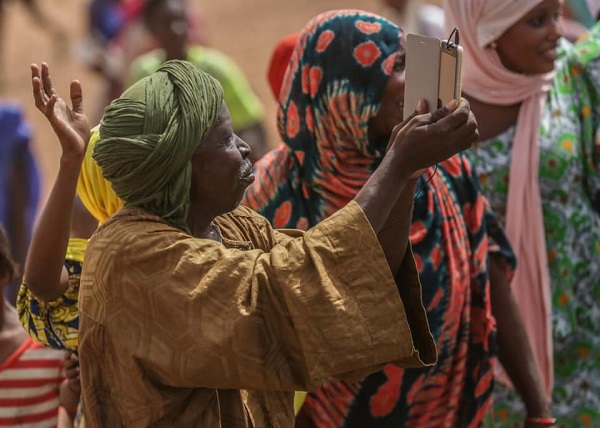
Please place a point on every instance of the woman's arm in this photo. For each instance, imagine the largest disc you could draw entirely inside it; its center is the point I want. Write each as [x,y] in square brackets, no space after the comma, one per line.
[515,351]
[45,274]
[397,227]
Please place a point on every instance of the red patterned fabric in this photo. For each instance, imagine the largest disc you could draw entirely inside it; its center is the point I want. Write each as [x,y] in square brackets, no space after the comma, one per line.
[332,88]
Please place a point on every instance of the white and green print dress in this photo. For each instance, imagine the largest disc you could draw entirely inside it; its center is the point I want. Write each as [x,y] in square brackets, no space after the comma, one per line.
[570,189]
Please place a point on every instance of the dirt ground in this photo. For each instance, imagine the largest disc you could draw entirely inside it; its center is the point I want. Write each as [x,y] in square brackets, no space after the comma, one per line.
[245,29]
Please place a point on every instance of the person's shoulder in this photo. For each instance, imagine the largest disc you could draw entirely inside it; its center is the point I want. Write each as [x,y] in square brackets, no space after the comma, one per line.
[245,224]
[132,229]
[243,215]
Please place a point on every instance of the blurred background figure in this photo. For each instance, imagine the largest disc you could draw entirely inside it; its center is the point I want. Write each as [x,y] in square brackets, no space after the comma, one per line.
[117,35]
[106,19]
[167,21]
[101,50]
[416,16]
[19,185]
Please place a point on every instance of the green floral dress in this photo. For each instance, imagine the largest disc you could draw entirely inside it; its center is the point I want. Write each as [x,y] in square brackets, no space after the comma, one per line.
[569,184]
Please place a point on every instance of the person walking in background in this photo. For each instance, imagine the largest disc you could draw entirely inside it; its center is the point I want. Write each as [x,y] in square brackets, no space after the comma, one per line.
[167,20]
[535,98]
[341,97]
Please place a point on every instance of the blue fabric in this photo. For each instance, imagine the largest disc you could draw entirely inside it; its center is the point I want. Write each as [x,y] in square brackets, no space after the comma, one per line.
[15,135]
[106,19]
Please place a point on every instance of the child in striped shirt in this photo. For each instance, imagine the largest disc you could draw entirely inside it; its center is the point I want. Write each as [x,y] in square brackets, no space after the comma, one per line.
[30,375]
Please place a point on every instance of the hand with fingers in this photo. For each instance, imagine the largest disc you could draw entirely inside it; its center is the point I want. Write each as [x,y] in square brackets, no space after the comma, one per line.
[425,139]
[71,125]
[70,389]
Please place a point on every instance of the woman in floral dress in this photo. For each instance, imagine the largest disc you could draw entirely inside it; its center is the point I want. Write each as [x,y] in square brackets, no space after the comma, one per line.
[536,101]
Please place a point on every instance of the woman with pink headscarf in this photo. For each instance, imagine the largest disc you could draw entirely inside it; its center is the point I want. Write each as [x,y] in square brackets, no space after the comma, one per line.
[536,101]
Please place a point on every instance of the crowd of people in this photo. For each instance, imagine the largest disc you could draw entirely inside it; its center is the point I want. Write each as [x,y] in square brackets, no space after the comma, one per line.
[368,271]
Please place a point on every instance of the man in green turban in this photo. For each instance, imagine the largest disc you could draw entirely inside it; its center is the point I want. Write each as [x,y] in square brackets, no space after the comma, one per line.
[149,134]
[194,311]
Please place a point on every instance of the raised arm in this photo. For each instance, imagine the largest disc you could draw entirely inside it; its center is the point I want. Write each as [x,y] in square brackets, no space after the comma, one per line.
[312,305]
[45,274]
[422,141]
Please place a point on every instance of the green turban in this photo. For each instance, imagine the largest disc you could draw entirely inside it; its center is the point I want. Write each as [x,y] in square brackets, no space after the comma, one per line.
[149,135]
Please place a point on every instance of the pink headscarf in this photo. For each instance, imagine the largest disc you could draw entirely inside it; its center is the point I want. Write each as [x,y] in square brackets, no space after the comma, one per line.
[481,22]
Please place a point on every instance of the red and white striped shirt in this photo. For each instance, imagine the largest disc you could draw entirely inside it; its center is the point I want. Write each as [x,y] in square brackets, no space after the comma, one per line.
[29,386]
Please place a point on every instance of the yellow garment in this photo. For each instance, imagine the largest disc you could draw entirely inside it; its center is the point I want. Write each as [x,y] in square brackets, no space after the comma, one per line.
[55,323]
[299,397]
[76,249]
[181,331]
[95,192]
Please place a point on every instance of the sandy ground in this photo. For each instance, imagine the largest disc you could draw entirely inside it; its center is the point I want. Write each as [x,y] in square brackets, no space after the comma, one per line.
[245,29]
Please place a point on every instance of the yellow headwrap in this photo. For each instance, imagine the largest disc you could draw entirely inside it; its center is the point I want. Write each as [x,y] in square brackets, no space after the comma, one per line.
[94,191]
